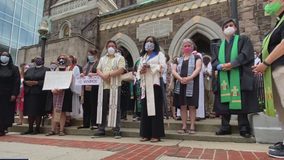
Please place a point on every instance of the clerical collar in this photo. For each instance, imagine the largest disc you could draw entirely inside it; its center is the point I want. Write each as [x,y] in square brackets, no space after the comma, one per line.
[38,66]
[4,64]
[280,16]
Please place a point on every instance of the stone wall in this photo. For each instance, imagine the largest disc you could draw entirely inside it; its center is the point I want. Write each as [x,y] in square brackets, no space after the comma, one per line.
[78,22]
[253,21]
[76,46]
[217,12]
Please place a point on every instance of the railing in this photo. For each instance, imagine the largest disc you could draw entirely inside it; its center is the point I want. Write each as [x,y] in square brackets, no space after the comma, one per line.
[260,90]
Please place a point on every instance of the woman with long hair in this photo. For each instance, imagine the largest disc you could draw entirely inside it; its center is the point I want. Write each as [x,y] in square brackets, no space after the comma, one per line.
[152,64]
[9,89]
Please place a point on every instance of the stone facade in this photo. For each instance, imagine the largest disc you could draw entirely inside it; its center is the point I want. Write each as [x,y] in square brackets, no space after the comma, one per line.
[196,19]
[57,47]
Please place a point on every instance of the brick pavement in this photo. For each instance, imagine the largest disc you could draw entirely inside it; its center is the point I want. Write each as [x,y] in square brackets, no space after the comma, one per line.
[128,151]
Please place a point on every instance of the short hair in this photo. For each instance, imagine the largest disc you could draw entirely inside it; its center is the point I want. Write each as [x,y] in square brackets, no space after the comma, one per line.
[188,40]
[93,51]
[33,60]
[227,21]
[111,41]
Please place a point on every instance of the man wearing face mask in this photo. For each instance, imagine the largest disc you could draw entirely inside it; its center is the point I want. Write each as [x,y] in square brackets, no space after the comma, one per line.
[273,68]
[110,68]
[234,87]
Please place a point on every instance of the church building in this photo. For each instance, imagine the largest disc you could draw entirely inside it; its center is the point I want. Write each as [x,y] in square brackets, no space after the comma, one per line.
[79,25]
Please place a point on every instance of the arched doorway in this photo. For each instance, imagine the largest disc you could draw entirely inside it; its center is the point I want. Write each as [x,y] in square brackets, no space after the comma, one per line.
[201,29]
[127,56]
[202,43]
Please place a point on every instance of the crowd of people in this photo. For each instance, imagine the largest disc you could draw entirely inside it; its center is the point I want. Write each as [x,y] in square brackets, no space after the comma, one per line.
[193,85]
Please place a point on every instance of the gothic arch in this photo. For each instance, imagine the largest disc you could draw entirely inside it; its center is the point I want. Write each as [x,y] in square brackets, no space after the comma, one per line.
[197,24]
[65,29]
[125,41]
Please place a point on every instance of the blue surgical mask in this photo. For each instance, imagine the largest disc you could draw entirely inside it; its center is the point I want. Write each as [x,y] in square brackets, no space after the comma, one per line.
[91,58]
[4,59]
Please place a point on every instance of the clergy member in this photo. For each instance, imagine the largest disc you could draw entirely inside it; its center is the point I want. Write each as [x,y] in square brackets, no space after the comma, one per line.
[110,68]
[273,67]
[234,88]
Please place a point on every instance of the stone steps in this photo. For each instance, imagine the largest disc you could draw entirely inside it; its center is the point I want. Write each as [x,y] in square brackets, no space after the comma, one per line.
[205,130]
[134,132]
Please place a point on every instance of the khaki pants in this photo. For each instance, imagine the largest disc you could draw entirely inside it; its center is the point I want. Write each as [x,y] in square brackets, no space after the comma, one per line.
[209,100]
[278,93]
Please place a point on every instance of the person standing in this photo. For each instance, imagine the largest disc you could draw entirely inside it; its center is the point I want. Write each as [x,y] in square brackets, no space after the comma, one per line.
[110,68]
[20,98]
[9,89]
[273,68]
[234,88]
[89,96]
[186,93]
[35,97]
[209,95]
[152,64]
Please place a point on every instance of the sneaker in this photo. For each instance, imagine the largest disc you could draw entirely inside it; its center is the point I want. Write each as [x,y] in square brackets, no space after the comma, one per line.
[276,146]
[117,135]
[276,153]
[98,134]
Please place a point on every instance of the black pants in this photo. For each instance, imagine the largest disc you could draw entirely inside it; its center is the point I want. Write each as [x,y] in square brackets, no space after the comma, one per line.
[243,122]
[90,107]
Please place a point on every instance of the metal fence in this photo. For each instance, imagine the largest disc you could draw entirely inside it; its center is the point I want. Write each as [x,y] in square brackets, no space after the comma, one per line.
[260,89]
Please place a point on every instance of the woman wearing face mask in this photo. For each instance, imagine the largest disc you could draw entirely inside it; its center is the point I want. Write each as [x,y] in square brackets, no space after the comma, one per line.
[89,95]
[20,97]
[272,67]
[9,89]
[62,98]
[35,98]
[152,64]
[186,93]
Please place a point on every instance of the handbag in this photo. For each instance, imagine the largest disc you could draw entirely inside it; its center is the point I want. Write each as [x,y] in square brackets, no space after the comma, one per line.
[128,77]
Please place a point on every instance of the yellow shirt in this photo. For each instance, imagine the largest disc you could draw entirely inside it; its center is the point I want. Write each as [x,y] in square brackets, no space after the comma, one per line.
[108,68]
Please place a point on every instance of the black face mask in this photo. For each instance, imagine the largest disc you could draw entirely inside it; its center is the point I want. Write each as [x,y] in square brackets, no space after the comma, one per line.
[61,62]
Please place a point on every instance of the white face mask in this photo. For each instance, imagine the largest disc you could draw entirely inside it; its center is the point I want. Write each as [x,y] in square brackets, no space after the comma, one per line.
[229,31]
[111,50]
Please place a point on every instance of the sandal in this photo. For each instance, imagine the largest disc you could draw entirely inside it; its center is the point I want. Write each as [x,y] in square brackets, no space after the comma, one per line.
[61,133]
[19,123]
[212,116]
[144,139]
[50,133]
[182,131]
[191,131]
[154,140]
[94,127]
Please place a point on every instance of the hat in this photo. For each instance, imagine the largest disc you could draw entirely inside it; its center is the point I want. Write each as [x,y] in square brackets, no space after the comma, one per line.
[227,21]
[206,56]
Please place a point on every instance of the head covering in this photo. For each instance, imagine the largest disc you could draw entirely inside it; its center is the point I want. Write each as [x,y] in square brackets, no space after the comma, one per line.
[227,21]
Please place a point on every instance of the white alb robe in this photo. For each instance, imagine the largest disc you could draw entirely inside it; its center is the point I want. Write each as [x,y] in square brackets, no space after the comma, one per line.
[76,93]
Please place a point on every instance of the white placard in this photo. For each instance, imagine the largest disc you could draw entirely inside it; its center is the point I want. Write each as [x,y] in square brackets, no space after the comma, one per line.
[57,80]
[90,81]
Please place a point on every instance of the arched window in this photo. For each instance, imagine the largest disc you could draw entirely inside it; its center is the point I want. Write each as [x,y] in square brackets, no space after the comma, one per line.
[65,30]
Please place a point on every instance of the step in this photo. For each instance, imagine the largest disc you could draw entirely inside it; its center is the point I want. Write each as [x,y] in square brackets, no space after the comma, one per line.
[134,132]
[208,125]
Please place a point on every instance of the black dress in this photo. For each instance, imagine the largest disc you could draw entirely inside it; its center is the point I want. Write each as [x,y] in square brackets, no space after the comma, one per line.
[35,97]
[67,101]
[9,85]
[181,99]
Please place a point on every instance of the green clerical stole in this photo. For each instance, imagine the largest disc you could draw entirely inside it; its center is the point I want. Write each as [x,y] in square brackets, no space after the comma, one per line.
[230,89]
[269,103]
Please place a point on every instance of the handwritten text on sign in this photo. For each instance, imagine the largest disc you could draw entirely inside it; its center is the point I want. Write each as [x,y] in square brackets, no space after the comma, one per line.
[57,80]
[94,80]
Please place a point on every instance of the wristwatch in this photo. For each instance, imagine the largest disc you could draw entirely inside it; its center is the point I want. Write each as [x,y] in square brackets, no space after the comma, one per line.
[266,63]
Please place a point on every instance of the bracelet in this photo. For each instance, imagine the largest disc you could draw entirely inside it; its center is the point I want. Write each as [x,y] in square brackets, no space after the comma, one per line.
[266,63]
